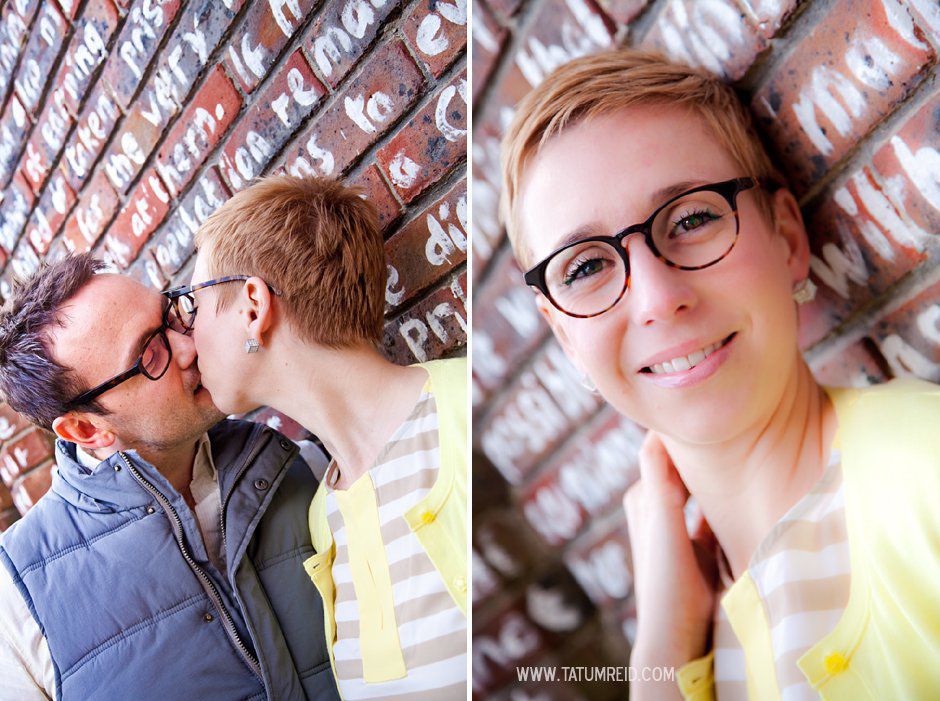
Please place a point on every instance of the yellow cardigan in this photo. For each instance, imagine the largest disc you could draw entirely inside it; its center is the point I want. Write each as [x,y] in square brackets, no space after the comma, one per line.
[887,643]
[439,521]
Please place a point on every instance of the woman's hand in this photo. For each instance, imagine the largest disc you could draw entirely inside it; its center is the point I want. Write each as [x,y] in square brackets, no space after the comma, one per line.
[674,573]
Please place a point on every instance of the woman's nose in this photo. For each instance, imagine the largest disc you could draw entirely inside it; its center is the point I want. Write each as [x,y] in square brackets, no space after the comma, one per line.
[184,349]
[657,292]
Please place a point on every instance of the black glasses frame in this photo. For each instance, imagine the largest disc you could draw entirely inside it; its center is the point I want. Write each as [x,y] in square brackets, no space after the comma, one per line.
[176,293]
[729,189]
[137,369]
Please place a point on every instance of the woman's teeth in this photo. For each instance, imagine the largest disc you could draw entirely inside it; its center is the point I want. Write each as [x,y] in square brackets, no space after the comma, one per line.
[685,362]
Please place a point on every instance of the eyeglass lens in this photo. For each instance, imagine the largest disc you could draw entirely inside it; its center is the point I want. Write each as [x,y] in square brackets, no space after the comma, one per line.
[693,231]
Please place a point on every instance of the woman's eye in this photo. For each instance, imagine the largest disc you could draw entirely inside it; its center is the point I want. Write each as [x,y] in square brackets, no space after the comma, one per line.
[583,269]
[692,221]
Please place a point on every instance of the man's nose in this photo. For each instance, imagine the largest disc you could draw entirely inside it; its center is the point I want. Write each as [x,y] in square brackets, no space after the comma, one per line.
[658,292]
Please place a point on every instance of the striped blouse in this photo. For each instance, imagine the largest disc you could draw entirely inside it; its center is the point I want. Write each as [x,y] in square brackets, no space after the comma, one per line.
[399,633]
[801,571]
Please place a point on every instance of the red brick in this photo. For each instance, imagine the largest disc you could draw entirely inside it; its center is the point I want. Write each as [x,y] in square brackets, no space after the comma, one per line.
[46,40]
[92,214]
[368,105]
[434,327]
[198,130]
[623,11]
[11,422]
[487,231]
[714,35]
[512,328]
[286,101]
[144,212]
[13,34]
[341,34]
[87,51]
[95,126]
[506,542]
[17,202]
[266,28]
[433,142]
[857,365]
[144,28]
[284,424]
[486,583]
[14,126]
[908,165]
[6,499]
[539,410]
[437,32]
[135,141]
[839,82]
[586,480]
[860,247]
[47,140]
[32,487]
[56,202]
[22,454]
[489,39]
[427,248]
[377,192]
[172,245]
[561,31]
[601,561]
[909,336]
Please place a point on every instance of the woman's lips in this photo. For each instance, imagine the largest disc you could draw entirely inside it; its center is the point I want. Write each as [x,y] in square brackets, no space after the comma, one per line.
[693,375]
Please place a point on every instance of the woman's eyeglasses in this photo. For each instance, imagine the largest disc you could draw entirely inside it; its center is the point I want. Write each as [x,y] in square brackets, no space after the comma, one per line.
[691,231]
[183,301]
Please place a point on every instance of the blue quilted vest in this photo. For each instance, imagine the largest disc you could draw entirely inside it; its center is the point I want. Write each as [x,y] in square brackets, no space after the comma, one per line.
[113,568]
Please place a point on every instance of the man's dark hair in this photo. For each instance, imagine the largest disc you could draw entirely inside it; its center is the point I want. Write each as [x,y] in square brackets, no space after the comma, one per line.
[31,381]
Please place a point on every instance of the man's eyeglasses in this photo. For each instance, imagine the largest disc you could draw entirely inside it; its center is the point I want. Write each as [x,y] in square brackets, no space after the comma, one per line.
[152,362]
[691,231]
[183,300]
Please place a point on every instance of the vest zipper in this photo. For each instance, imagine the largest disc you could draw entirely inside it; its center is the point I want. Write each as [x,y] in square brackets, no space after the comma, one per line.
[201,575]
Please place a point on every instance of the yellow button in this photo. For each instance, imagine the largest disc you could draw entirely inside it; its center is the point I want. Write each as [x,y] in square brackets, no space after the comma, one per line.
[460,583]
[427,517]
[836,663]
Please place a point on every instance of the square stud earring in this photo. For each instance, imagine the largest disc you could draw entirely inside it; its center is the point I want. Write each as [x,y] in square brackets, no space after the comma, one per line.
[804,291]
[252,346]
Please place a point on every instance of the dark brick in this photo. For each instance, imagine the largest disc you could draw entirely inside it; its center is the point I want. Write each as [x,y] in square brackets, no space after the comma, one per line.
[17,202]
[135,141]
[87,51]
[46,40]
[342,33]
[427,248]
[437,32]
[435,326]
[286,101]
[379,194]
[95,125]
[14,126]
[47,140]
[431,144]
[54,205]
[359,116]
[256,44]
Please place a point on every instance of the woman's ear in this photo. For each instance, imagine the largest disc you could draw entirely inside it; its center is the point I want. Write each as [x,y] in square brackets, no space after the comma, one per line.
[76,428]
[256,308]
[788,225]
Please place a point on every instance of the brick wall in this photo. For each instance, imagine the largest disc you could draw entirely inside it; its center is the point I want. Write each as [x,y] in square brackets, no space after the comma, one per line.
[124,124]
[847,94]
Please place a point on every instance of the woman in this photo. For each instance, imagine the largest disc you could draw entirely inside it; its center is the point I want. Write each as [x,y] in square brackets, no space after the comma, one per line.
[287,310]
[669,264]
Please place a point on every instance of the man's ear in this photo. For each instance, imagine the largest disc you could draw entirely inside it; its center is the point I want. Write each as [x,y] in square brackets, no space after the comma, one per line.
[553,317]
[788,225]
[76,428]
[257,307]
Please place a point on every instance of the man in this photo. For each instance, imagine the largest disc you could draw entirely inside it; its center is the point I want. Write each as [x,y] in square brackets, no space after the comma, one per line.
[166,559]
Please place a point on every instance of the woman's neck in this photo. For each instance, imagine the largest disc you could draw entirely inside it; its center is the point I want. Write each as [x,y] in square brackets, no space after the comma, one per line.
[352,399]
[746,484]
